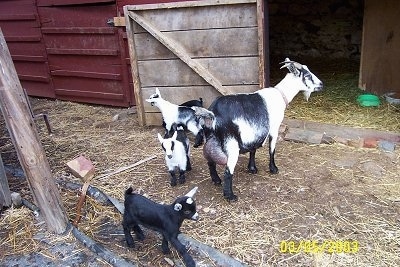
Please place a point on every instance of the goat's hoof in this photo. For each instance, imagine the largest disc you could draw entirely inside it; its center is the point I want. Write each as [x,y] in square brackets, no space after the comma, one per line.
[173,183]
[166,250]
[253,170]
[131,245]
[231,197]
[182,181]
[217,182]
[273,170]
[197,144]
[140,237]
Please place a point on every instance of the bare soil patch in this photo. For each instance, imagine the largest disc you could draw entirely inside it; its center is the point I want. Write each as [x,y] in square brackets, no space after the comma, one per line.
[322,193]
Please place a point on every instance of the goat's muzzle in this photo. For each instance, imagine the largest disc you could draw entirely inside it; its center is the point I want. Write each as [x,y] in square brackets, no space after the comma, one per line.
[195,217]
[169,156]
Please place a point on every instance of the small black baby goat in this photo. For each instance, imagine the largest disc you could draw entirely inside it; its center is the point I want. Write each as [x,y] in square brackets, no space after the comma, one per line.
[165,219]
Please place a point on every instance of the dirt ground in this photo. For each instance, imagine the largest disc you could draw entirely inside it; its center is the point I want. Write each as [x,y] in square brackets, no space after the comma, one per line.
[330,205]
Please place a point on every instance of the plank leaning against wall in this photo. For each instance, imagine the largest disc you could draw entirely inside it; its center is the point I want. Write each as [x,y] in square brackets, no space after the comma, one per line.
[27,144]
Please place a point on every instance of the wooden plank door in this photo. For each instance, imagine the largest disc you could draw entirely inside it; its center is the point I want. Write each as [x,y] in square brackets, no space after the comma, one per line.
[380,55]
[194,49]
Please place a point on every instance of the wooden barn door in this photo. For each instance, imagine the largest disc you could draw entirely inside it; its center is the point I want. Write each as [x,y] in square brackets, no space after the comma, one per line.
[87,56]
[194,49]
[380,55]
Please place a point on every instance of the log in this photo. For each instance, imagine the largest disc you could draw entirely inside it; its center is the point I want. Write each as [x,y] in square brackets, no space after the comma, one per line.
[26,141]
[97,248]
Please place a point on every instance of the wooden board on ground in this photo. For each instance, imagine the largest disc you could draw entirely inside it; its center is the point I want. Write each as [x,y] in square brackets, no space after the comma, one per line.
[195,49]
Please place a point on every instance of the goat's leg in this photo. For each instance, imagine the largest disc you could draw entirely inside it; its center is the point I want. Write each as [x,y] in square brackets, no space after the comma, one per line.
[182,178]
[212,166]
[187,259]
[272,166]
[164,245]
[228,191]
[188,164]
[233,150]
[127,232]
[173,177]
[199,138]
[138,231]
[198,132]
[252,163]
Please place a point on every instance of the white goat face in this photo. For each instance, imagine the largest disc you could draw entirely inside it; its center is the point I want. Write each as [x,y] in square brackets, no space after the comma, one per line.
[154,98]
[168,144]
[309,79]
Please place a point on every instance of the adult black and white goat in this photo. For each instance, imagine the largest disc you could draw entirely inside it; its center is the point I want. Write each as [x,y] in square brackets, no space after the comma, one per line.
[165,219]
[241,123]
[173,113]
[177,149]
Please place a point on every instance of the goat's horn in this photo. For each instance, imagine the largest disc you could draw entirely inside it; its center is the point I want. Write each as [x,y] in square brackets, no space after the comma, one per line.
[288,63]
[192,192]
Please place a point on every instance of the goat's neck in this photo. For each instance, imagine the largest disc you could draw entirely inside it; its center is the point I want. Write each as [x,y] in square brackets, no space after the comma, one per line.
[164,105]
[289,86]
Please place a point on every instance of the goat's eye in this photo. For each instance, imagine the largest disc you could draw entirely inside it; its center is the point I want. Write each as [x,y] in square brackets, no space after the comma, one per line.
[307,75]
[187,212]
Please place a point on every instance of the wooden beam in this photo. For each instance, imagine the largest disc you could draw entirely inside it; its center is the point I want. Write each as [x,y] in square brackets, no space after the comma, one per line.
[26,141]
[180,52]
[134,69]
[262,35]
[5,193]
[187,4]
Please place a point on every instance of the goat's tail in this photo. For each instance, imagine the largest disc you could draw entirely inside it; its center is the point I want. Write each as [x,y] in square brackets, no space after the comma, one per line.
[128,191]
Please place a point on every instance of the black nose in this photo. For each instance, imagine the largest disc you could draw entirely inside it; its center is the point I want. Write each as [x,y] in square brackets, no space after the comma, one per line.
[170,156]
[319,88]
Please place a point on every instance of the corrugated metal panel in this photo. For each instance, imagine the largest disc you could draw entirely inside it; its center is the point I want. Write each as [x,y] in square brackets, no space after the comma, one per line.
[86,56]
[21,28]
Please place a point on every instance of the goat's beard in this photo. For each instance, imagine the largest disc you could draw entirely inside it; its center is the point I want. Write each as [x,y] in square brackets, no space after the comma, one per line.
[307,94]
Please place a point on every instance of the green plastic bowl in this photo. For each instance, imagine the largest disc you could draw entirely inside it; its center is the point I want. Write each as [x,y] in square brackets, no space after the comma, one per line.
[368,100]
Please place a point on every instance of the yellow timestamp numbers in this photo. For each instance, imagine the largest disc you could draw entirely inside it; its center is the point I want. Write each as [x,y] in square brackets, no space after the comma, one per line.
[314,246]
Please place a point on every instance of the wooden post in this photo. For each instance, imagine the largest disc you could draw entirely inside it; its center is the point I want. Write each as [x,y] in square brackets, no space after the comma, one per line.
[5,194]
[27,144]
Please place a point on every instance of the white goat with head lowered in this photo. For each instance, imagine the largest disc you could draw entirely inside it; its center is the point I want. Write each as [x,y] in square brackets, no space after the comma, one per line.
[179,115]
[241,123]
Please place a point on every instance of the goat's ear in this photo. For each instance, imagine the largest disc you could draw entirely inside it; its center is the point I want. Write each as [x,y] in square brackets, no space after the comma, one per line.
[292,66]
[192,192]
[160,138]
[178,206]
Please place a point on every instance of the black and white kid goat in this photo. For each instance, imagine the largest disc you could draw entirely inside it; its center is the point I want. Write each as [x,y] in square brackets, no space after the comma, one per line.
[165,219]
[241,123]
[177,152]
[183,115]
